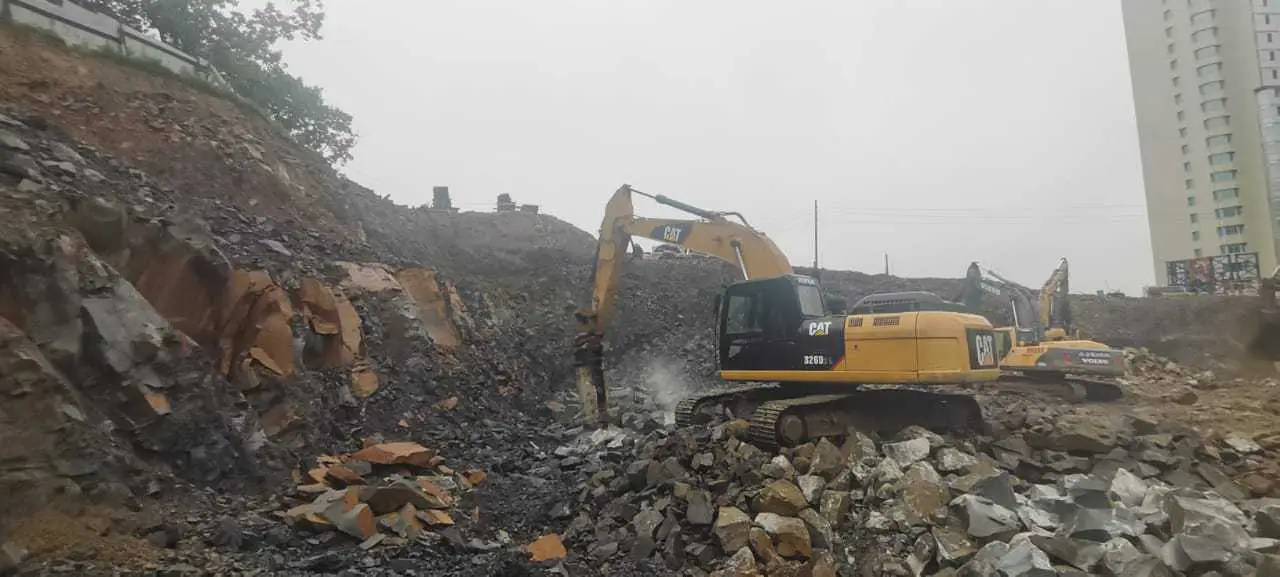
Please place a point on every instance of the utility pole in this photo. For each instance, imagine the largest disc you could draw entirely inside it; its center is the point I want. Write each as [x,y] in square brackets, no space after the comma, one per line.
[886,264]
[815,237]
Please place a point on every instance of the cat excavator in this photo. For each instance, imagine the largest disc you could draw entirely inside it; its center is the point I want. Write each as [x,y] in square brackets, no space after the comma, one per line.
[797,370]
[1044,344]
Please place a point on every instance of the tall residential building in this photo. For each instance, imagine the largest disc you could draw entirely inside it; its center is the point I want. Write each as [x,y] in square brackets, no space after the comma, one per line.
[1206,88]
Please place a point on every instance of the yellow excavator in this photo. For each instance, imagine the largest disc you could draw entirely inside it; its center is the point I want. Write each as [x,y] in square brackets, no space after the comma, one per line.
[1044,345]
[802,369]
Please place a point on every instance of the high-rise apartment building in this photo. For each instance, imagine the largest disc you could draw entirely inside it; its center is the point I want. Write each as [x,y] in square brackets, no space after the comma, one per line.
[1206,88]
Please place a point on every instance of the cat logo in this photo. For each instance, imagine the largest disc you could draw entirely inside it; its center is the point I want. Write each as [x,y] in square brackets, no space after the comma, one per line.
[672,234]
[819,328]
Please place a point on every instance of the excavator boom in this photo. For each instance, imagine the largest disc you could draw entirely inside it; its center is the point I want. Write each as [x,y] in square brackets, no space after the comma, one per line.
[712,234]
[1055,305]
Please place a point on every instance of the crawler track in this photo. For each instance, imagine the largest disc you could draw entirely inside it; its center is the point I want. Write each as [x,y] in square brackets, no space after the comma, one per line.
[788,414]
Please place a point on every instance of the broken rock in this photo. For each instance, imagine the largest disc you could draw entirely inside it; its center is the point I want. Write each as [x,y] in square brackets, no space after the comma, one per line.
[732,528]
[923,494]
[952,460]
[780,497]
[700,510]
[742,564]
[1127,488]
[907,452]
[811,486]
[1023,559]
[983,518]
[827,460]
[820,531]
[402,453]
[1084,433]
[789,533]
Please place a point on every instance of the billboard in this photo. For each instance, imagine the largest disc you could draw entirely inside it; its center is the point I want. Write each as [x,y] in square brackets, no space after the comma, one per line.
[1224,273]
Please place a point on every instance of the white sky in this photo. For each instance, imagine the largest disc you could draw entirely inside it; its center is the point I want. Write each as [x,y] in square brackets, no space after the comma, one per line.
[938,131]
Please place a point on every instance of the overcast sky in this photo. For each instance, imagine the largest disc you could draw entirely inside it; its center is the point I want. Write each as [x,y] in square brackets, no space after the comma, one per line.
[937,131]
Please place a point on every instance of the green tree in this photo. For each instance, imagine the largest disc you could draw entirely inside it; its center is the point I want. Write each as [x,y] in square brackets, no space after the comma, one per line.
[242,46]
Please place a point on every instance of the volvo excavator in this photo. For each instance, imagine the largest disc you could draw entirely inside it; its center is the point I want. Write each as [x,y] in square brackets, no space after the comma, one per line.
[802,371]
[1044,345]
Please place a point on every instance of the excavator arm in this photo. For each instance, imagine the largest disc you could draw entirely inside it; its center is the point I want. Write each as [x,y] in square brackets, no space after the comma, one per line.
[980,279]
[1055,306]
[713,234]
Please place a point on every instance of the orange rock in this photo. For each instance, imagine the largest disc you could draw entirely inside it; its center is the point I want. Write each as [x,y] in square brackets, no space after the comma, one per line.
[357,521]
[349,322]
[403,424]
[448,404]
[437,497]
[278,418]
[318,474]
[370,277]
[305,516]
[409,520]
[474,476]
[259,354]
[318,307]
[257,315]
[435,517]
[159,403]
[547,547]
[312,489]
[433,305]
[401,453]
[344,475]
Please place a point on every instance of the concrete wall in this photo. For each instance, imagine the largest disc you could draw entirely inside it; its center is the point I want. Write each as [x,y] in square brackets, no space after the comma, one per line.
[81,27]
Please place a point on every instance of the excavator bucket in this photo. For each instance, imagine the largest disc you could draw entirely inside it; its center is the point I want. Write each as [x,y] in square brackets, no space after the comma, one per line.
[1261,327]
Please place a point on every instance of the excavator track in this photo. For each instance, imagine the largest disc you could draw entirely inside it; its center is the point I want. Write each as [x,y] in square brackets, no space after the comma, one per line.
[783,415]
[789,422]
[698,409]
[1074,387]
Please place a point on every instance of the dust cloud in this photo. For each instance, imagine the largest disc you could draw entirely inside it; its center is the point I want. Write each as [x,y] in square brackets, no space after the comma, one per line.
[668,385]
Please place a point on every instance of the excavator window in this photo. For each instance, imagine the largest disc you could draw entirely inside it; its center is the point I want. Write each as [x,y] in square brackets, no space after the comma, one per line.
[762,319]
[741,317]
[811,302]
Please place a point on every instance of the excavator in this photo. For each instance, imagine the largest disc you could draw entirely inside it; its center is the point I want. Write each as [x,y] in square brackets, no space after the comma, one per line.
[1043,345]
[799,371]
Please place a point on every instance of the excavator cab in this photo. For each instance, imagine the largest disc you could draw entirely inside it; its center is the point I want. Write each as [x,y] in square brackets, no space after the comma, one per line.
[761,322]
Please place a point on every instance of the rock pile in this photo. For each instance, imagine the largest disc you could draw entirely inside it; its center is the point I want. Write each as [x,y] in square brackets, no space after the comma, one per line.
[1083,498]
[384,489]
